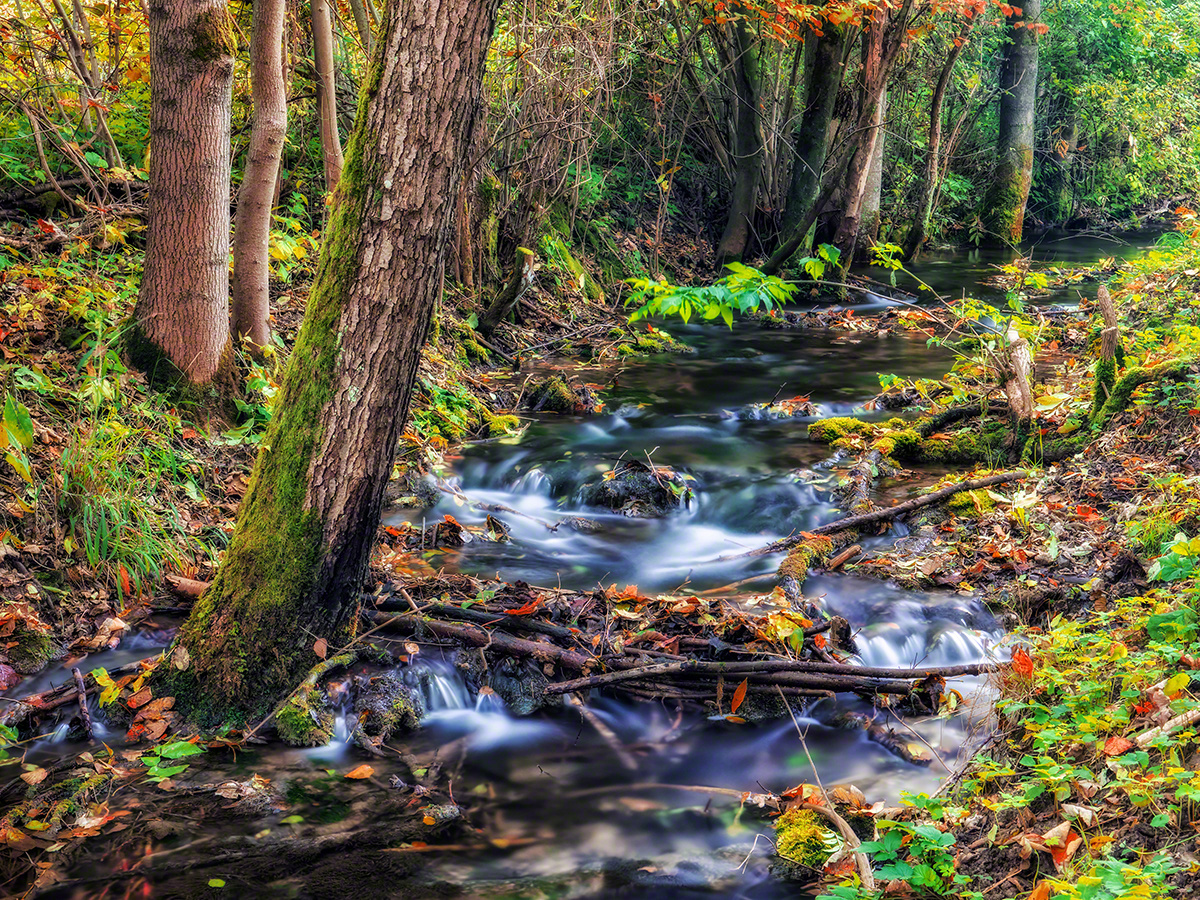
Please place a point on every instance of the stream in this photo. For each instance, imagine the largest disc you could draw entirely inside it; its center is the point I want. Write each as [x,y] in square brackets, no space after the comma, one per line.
[573,821]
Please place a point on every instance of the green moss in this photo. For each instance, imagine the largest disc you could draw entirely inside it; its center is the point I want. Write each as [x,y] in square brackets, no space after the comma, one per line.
[1106,376]
[802,837]
[554,395]
[304,721]
[826,431]
[473,351]
[1121,395]
[499,425]
[902,444]
[802,557]
[33,650]
[971,504]
[215,36]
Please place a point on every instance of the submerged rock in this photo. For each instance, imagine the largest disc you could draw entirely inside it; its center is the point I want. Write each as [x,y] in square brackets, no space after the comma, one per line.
[555,395]
[385,705]
[635,489]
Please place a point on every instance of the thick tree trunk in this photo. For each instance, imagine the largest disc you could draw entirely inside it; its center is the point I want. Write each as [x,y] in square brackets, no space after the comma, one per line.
[1004,206]
[182,313]
[811,138]
[256,198]
[331,143]
[929,181]
[295,567]
[747,149]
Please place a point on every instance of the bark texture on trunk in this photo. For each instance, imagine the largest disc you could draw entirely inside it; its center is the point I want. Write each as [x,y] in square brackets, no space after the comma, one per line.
[256,197]
[747,148]
[182,313]
[296,563]
[882,40]
[872,199]
[915,238]
[810,143]
[1004,206]
[331,142]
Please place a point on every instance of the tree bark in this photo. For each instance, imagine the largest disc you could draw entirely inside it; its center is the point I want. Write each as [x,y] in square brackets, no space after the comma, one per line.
[929,182]
[256,198]
[295,567]
[747,148]
[182,313]
[884,36]
[872,200]
[362,23]
[811,139]
[331,143]
[1004,206]
[524,270]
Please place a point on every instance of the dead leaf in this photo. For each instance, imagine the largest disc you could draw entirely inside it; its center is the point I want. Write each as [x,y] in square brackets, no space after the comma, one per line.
[1117,745]
[321,648]
[739,695]
[37,776]
[363,771]
[1022,663]
[141,698]
[180,658]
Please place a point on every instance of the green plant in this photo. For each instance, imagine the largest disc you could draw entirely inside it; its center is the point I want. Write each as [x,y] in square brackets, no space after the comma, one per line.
[917,854]
[1179,559]
[153,761]
[744,289]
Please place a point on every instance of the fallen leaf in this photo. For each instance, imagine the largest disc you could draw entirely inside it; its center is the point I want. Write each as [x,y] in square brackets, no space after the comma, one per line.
[1022,663]
[37,776]
[321,648]
[363,771]
[739,695]
[1116,745]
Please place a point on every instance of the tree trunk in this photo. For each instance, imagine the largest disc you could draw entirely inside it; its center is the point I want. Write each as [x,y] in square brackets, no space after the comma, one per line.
[810,141]
[524,270]
[362,22]
[1004,206]
[331,144]
[747,147]
[872,200]
[882,40]
[182,313]
[305,530]
[256,198]
[929,181]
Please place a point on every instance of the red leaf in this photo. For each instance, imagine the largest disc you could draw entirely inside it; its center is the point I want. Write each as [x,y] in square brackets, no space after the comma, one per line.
[321,648]
[1021,663]
[1116,745]
[527,609]
[739,695]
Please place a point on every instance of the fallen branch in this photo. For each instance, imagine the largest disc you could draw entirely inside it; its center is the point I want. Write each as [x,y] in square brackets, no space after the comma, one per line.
[1183,719]
[879,515]
[81,694]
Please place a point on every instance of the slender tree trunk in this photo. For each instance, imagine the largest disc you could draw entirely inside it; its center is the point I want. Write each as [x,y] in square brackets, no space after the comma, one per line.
[747,147]
[1060,188]
[256,198]
[929,181]
[182,313]
[884,36]
[295,567]
[331,143]
[362,23]
[1004,205]
[872,200]
[810,142]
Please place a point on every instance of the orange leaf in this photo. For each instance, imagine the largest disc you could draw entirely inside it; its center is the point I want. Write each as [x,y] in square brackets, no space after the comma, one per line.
[527,609]
[1021,663]
[321,648]
[363,771]
[739,695]
[125,586]
[1041,892]
[1117,745]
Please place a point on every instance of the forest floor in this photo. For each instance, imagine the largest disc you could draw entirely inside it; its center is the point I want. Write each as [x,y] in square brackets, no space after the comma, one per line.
[1086,788]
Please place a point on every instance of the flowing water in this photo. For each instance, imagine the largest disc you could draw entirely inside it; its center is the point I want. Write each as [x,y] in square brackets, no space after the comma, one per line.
[574,820]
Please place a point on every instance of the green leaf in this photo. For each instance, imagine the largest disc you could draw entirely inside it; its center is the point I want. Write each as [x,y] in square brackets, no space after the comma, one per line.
[216,882]
[179,749]
[17,423]
[291,820]
[157,772]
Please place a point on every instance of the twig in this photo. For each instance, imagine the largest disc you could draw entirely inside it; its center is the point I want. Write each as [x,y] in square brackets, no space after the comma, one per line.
[626,758]
[84,715]
[878,515]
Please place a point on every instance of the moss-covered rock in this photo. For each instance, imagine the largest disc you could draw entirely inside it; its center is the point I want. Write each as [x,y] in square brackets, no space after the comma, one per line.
[305,720]
[971,504]
[31,650]
[555,395]
[634,489]
[826,431]
[802,836]
[385,706]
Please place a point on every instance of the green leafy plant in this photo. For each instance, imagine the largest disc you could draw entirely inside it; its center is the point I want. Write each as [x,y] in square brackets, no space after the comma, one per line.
[168,753]
[744,289]
[1179,559]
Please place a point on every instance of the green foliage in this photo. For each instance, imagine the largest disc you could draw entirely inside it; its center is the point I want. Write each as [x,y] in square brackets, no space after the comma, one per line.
[1179,560]
[176,750]
[744,290]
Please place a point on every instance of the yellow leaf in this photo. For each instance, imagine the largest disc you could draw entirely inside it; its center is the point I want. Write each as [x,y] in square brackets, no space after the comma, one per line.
[1177,683]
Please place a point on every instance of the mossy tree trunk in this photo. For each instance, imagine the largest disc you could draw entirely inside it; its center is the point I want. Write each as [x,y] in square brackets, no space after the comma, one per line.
[294,570]
[256,197]
[182,313]
[1004,205]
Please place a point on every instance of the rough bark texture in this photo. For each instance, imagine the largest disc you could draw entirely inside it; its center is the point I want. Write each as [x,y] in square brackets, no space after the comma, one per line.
[331,142]
[929,181]
[295,567]
[182,313]
[882,40]
[811,139]
[256,197]
[747,148]
[872,200]
[524,271]
[1004,206]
